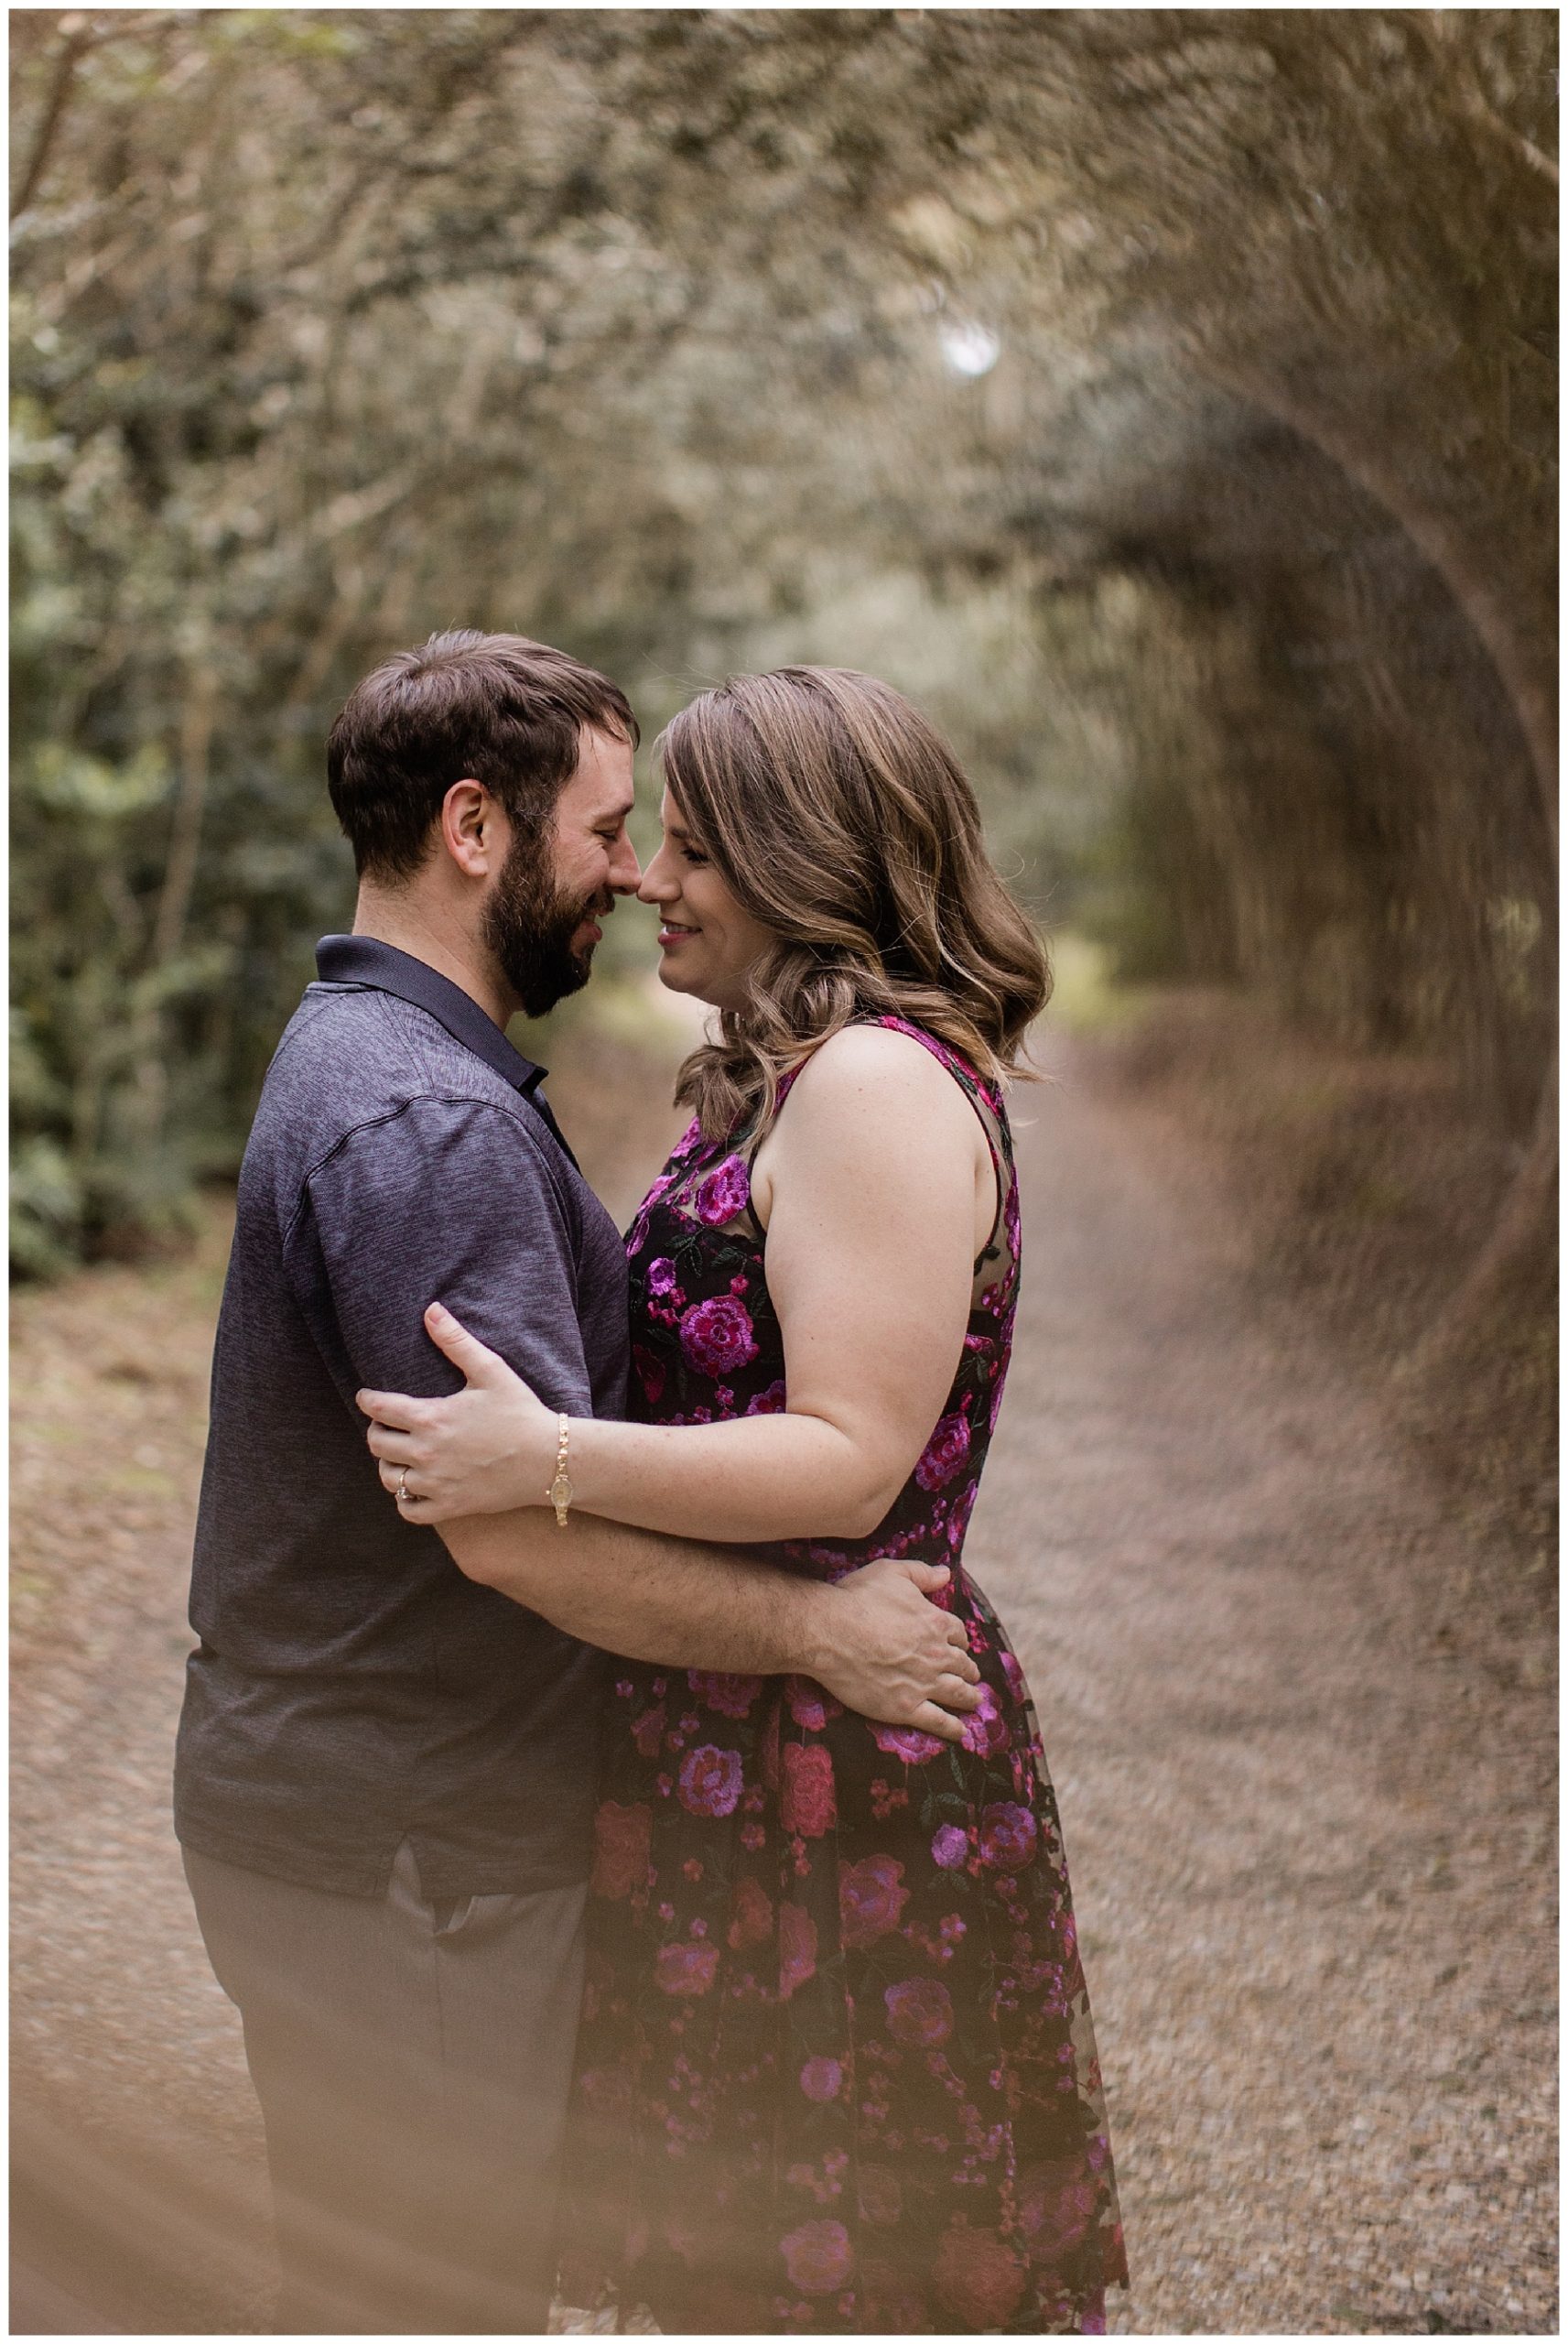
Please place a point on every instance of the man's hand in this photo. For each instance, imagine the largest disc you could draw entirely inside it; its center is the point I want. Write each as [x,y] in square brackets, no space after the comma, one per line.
[894,1656]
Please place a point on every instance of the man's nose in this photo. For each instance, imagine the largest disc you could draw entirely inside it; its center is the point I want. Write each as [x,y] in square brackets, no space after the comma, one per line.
[625,872]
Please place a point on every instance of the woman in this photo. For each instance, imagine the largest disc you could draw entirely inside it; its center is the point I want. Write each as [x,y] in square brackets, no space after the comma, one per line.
[836,2071]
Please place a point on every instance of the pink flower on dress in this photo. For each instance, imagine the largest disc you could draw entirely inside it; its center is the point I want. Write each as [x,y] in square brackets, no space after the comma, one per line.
[920,2010]
[770,1402]
[649,1732]
[950,1847]
[662,1275]
[978,2276]
[686,1969]
[907,1741]
[732,1696]
[820,2078]
[958,1520]
[946,1453]
[622,1838]
[984,1728]
[717,1336]
[871,1898]
[809,1705]
[797,1948]
[819,2257]
[806,1801]
[1008,1835]
[726,1191]
[753,1921]
[650,1374]
[1055,2205]
[710,1781]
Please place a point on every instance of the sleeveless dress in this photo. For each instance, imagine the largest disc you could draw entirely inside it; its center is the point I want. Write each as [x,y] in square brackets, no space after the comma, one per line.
[836,2072]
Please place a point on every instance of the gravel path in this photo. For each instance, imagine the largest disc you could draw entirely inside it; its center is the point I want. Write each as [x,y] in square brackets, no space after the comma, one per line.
[1302,1728]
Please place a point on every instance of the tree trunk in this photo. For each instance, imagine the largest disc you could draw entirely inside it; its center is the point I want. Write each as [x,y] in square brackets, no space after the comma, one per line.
[1523,657]
[1527,1218]
[151,1078]
[185,841]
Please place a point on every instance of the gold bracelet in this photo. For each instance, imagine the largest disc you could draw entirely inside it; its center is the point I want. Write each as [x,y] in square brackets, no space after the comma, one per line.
[560,1492]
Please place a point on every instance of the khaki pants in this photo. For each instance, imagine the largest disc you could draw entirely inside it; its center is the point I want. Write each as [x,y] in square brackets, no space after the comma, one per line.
[413,2064]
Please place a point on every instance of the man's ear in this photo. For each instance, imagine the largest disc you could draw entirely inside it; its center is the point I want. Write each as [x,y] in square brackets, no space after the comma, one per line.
[472,829]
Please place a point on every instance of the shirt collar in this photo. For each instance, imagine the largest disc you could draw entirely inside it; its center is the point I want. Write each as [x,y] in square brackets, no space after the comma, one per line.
[364,961]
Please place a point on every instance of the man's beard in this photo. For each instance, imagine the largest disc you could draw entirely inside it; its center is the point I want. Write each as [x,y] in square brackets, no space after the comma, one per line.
[529,927]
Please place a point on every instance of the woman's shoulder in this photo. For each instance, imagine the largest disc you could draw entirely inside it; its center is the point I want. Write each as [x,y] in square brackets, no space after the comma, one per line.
[887,1066]
[895,1049]
[881,1050]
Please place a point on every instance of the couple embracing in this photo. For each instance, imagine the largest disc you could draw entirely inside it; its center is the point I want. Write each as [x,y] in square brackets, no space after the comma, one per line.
[618,1816]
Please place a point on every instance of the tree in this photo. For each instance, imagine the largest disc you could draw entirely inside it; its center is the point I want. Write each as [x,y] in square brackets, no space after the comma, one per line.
[334,326]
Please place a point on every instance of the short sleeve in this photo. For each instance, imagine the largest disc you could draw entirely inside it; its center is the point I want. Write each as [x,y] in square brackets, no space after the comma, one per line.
[449,1200]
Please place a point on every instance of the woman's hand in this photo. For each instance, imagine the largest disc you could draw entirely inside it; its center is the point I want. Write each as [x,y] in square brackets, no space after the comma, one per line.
[485,1449]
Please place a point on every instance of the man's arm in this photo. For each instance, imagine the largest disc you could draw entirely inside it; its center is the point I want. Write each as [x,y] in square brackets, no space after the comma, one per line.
[440,1191]
[874,1640]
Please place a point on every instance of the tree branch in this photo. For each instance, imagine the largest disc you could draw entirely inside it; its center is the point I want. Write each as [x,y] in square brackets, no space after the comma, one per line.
[72,50]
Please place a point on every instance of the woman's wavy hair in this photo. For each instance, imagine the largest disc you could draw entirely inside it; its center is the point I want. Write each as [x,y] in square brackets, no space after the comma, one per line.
[838,817]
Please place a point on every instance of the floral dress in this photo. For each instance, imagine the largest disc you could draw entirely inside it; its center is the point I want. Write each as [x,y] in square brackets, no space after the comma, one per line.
[835,2071]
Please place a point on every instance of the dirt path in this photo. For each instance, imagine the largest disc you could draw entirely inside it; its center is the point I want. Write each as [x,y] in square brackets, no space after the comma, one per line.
[1301,1730]
[1303,1737]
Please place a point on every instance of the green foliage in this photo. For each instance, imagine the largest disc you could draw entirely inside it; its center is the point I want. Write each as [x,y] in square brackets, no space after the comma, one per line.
[1231,579]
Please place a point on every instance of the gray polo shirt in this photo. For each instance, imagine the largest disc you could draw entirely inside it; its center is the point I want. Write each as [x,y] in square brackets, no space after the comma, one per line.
[351,1687]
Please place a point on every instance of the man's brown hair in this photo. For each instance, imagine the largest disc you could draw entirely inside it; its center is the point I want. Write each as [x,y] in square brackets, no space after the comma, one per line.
[495,708]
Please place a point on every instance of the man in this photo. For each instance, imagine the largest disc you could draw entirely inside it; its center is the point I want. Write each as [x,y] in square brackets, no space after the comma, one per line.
[384,1771]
